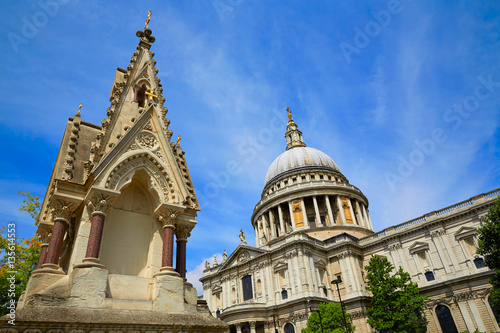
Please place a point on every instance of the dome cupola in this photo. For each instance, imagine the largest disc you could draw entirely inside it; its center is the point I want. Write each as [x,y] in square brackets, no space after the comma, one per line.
[305,191]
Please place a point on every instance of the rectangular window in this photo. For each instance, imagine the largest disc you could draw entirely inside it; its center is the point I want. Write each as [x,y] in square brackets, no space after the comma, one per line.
[312,222]
[429,276]
[479,262]
[247,287]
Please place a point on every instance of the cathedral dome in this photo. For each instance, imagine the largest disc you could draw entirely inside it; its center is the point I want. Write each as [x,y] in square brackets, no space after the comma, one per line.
[299,158]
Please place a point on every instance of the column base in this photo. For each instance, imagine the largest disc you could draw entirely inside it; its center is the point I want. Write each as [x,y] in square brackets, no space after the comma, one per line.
[167,271]
[50,269]
[90,262]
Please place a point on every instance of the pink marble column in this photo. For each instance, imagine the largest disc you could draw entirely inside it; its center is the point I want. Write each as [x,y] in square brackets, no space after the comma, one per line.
[168,246]
[43,255]
[180,266]
[94,243]
[56,241]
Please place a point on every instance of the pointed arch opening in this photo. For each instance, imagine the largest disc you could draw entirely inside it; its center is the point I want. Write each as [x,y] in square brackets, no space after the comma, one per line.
[131,235]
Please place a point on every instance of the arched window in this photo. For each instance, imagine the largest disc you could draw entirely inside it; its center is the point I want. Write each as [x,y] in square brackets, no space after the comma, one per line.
[289,328]
[284,294]
[140,95]
[493,309]
[218,313]
[445,319]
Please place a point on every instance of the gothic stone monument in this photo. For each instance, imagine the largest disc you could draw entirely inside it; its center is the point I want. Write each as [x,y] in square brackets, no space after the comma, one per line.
[118,195]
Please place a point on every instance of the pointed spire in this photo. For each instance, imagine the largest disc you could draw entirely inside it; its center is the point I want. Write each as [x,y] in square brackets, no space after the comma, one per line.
[293,135]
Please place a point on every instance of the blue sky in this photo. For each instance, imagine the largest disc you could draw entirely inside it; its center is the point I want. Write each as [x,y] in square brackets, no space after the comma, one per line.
[404,96]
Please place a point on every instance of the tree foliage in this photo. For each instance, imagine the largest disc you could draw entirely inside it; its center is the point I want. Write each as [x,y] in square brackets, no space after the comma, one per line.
[489,247]
[331,318]
[20,256]
[396,304]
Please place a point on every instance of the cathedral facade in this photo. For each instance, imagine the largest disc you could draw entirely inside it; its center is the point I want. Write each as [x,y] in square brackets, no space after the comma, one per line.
[312,227]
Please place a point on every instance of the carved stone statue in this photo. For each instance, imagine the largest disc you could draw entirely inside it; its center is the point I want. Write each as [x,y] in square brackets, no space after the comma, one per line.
[224,256]
[242,237]
[207,265]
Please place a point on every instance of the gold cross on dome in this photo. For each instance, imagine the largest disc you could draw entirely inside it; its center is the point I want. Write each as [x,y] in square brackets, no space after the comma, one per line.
[147,20]
[289,114]
[150,95]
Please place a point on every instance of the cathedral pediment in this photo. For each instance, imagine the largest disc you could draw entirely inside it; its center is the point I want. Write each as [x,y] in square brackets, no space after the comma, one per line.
[465,232]
[242,254]
[418,246]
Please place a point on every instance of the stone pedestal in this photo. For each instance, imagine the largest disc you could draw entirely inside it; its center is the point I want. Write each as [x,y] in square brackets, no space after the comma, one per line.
[168,293]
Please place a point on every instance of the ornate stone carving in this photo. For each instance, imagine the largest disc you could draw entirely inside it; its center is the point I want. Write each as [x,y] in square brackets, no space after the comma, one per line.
[161,180]
[62,209]
[167,216]
[100,202]
[146,140]
[44,232]
[357,314]
[437,233]
[395,247]
[183,231]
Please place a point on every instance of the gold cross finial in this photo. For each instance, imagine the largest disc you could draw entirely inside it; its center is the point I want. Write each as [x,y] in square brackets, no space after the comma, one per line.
[150,94]
[178,140]
[79,108]
[147,20]
[289,115]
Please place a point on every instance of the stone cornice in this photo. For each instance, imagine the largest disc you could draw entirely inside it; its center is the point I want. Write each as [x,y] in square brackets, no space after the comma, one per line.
[431,221]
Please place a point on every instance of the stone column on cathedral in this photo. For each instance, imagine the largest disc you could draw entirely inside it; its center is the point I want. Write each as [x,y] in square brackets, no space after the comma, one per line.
[304,212]
[341,210]
[252,326]
[99,202]
[238,327]
[182,232]
[329,209]
[44,232]
[62,212]
[316,213]
[167,215]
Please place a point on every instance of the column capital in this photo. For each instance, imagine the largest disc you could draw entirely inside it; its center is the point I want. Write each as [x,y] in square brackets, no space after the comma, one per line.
[99,200]
[167,214]
[44,232]
[62,210]
[183,230]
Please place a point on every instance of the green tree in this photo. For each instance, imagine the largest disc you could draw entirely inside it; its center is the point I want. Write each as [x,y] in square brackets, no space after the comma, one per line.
[20,256]
[396,304]
[331,318]
[489,247]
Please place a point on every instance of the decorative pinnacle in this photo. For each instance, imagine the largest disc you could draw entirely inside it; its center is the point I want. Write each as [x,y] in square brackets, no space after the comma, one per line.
[178,140]
[289,115]
[146,35]
[79,108]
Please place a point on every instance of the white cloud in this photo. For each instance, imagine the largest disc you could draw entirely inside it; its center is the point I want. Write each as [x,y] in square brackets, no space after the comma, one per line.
[194,276]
